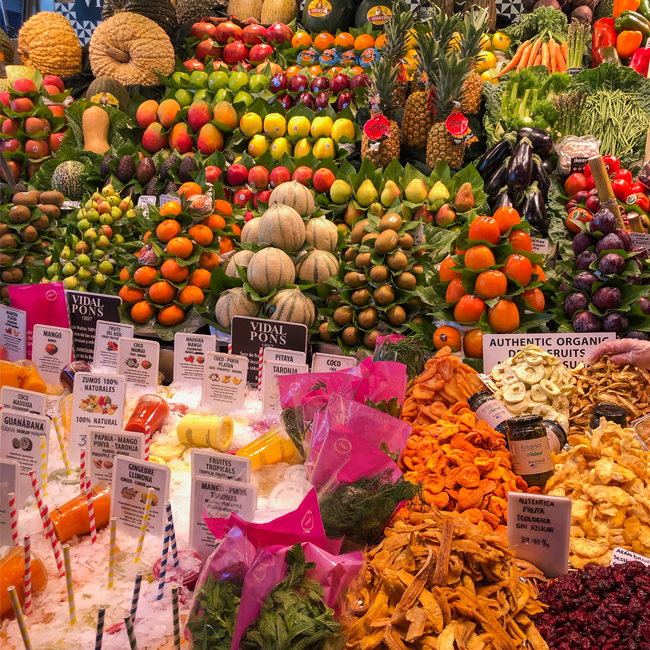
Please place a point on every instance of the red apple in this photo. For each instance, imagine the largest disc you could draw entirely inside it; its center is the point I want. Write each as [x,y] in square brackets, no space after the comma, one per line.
[260,52]
[323,180]
[236,175]
[208,48]
[51,90]
[298,83]
[258,177]
[9,145]
[32,168]
[212,173]
[193,64]
[340,82]
[4,99]
[279,33]
[248,215]
[55,140]
[10,127]
[22,105]
[319,83]
[246,65]
[423,214]
[53,80]
[254,34]
[286,101]
[34,125]
[279,83]
[24,86]
[228,32]
[303,175]
[36,149]
[14,168]
[261,197]
[360,81]
[279,175]
[344,100]
[201,30]
[242,197]
[307,99]
[322,100]
[235,52]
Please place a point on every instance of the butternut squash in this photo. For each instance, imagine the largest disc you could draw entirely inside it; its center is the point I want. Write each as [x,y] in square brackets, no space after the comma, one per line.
[95,124]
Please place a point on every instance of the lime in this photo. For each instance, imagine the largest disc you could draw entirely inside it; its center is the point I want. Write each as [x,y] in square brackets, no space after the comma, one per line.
[199,78]
[181,78]
[257,83]
[200,95]
[223,95]
[183,97]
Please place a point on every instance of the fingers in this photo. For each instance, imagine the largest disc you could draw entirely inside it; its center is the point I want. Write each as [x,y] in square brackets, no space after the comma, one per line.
[625,359]
[614,346]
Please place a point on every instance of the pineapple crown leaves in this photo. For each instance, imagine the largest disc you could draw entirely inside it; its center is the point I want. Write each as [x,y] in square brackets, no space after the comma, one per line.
[448,80]
[397,32]
[472,29]
[383,83]
[440,27]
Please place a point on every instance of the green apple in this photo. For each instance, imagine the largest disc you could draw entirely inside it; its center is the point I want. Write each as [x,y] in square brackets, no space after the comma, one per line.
[183,97]
[243,97]
[201,95]
[218,79]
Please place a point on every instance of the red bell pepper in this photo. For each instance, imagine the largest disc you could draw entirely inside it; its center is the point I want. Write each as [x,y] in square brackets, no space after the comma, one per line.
[637,188]
[640,200]
[604,34]
[640,61]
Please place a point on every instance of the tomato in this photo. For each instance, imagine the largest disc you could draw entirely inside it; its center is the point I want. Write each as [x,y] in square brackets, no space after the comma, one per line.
[625,174]
[506,217]
[504,316]
[520,241]
[621,189]
[491,284]
[591,183]
[469,310]
[612,163]
[575,183]
[534,298]
[479,258]
[637,188]
[519,268]
[486,229]
[455,291]
[446,274]
[587,171]
[579,214]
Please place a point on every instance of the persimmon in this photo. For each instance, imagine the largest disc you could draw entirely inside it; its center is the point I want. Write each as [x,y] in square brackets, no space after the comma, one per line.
[173,271]
[191,294]
[202,234]
[162,292]
[145,275]
[534,298]
[447,335]
[485,229]
[181,247]
[473,344]
[469,310]
[446,274]
[479,258]
[141,312]
[539,272]
[167,230]
[455,291]
[519,268]
[506,217]
[491,284]
[520,241]
[504,317]
[200,278]
[170,315]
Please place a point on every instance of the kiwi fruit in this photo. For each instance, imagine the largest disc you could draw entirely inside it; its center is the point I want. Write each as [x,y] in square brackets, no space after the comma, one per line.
[406,281]
[4,293]
[415,301]
[41,223]
[397,261]
[9,241]
[358,231]
[29,259]
[360,297]
[50,210]
[370,235]
[4,229]
[12,275]
[386,241]
[19,214]
[417,320]
[52,198]
[350,336]
[367,317]
[6,258]
[363,260]
[354,279]
[25,198]
[370,339]
[40,246]
[405,241]
[391,221]
[396,315]
[349,254]
[323,332]
[343,316]
[384,295]
[332,299]
[418,255]
[29,234]
[417,268]
[378,274]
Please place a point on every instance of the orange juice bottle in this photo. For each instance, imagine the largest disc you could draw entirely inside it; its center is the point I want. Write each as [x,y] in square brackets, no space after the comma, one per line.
[72,517]
[12,573]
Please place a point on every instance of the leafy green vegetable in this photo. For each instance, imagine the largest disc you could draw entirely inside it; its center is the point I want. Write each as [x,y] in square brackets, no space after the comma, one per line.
[408,351]
[544,22]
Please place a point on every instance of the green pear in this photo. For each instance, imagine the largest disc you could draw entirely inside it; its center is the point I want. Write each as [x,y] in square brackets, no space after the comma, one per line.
[438,191]
[366,194]
[416,191]
[377,209]
[464,199]
[390,192]
[340,192]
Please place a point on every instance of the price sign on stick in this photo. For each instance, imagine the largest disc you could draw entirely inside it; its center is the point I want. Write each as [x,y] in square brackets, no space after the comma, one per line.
[51,351]
[28,401]
[104,446]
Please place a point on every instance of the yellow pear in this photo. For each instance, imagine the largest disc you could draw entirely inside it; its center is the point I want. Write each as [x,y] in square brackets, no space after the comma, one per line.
[340,192]
[366,194]
[438,191]
[416,191]
[390,192]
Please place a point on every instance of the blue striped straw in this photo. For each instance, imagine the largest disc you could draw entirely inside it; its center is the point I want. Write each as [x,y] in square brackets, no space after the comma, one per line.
[170,519]
[136,595]
[176,617]
[100,627]
[129,630]
[163,562]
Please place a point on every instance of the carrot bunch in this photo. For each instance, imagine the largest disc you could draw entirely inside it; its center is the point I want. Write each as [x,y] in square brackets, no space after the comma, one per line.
[539,52]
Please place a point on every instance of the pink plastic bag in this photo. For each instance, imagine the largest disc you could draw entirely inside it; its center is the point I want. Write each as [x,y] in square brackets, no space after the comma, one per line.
[382,386]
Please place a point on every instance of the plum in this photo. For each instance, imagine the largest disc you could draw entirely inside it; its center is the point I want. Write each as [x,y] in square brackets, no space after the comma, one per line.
[581,242]
[564,287]
[584,281]
[574,303]
[609,242]
[636,280]
[592,203]
[635,334]
[611,264]
[581,196]
[624,236]
[607,298]
[644,304]
[603,221]
[585,260]
[642,252]
[586,322]
[615,322]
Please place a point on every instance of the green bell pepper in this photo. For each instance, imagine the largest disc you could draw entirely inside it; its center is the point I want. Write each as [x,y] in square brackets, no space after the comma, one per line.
[644,9]
[633,21]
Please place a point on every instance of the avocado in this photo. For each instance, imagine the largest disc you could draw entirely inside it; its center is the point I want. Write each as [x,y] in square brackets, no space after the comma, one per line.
[104,169]
[171,188]
[146,171]
[170,161]
[125,169]
[188,164]
[151,190]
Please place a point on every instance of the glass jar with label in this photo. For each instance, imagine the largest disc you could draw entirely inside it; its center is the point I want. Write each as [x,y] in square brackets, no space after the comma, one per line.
[530,450]
[489,409]
[610,411]
[556,436]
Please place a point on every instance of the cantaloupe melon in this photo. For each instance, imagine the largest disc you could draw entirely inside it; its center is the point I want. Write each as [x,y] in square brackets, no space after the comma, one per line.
[296,196]
[291,305]
[282,227]
[234,302]
[317,267]
[241,258]
[269,269]
[322,234]
[249,231]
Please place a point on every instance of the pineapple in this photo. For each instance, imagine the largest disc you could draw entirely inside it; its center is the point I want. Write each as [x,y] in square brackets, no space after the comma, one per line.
[448,82]
[384,81]
[469,46]
[397,45]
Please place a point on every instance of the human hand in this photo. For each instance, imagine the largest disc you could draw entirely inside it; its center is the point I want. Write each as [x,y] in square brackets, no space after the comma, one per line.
[623,352]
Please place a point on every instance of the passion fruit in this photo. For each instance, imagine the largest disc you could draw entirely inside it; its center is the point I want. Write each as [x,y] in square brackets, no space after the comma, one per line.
[405,241]
[386,242]
[350,336]
[360,297]
[378,274]
[323,332]
[358,232]
[396,316]
[363,260]
[406,281]
[343,315]
[384,295]
[370,339]
[354,279]
[390,221]
[397,261]
[367,317]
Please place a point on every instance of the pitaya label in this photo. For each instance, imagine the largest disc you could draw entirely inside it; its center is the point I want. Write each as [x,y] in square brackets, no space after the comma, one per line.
[189,356]
[137,360]
[107,337]
[377,128]
[270,388]
[318,8]
[379,15]
[51,351]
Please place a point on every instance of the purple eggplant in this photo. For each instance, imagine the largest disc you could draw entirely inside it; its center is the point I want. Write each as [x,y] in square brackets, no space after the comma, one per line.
[494,156]
[504,200]
[497,180]
[541,176]
[534,209]
[541,141]
[520,167]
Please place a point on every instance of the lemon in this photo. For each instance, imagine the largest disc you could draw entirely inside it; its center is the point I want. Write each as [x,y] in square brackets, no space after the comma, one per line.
[275,125]
[301,148]
[299,125]
[250,124]
[486,42]
[500,41]
[490,76]
[343,128]
[279,147]
[321,126]
[485,61]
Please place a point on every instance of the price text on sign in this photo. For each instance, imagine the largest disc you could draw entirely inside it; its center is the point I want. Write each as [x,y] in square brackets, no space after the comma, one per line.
[538,530]
[13,332]
[571,349]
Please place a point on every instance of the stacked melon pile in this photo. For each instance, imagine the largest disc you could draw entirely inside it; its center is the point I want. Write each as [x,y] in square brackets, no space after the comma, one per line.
[280,250]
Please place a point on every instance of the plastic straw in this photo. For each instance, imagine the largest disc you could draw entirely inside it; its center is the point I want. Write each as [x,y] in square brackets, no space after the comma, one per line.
[91,514]
[129,630]
[136,595]
[18,612]
[111,553]
[60,438]
[163,562]
[259,369]
[49,533]
[229,348]
[147,445]
[100,627]
[13,515]
[143,526]
[69,585]
[43,466]
[37,492]
[172,538]
[177,618]
[82,471]
[28,574]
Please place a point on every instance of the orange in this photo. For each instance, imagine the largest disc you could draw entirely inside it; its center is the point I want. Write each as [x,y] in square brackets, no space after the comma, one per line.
[344,40]
[491,284]
[162,292]
[226,245]
[191,294]
[144,276]
[214,222]
[170,208]
[208,260]
[469,310]
[506,217]
[315,70]
[146,236]
[181,247]
[356,69]
[381,41]
[520,269]
[446,274]
[363,41]
[188,190]
[301,40]
[236,229]
[455,291]
[447,336]
[539,272]
[169,316]
[202,234]
[323,41]
[520,241]
[168,229]
[131,295]
[473,344]
[141,312]
[486,229]
[479,258]
[292,71]
[201,279]
[504,317]
[173,271]
[223,207]
[335,70]
[124,275]
[534,298]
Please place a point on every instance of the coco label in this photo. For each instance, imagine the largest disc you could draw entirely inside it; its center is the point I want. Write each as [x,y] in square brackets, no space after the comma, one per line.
[228,467]
[51,351]
[137,360]
[331,362]
[8,483]
[26,401]
[270,388]
[107,340]
[13,332]
[224,382]
[104,446]
[190,351]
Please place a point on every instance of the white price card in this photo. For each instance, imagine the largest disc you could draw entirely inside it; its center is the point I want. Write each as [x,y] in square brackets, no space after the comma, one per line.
[8,481]
[623,556]
[107,340]
[97,403]
[220,498]
[190,351]
[228,467]
[13,332]
[131,480]
[640,239]
[224,382]
[138,361]
[284,356]
[27,401]
[331,362]
[104,446]
[20,441]
[166,198]
[571,349]
[538,530]
[51,351]
[540,246]
[270,388]
[145,201]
